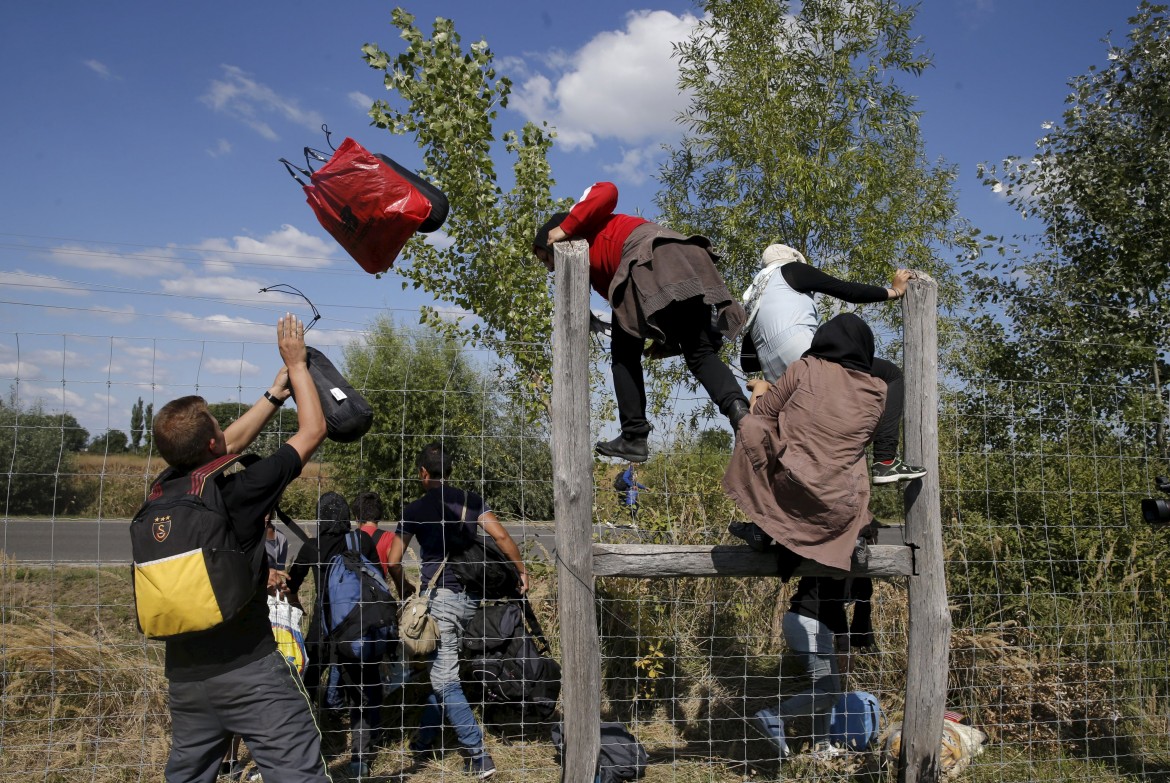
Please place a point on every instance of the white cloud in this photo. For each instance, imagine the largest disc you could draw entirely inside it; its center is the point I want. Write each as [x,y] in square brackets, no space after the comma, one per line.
[222,147]
[637,165]
[56,357]
[139,264]
[439,239]
[240,96]
[216,287]
[56,396]
[293,247]
[226,325]
[360,100]
[21,369]
[622,84]
[98,67]
[232,367]
[119,315]
[28,280]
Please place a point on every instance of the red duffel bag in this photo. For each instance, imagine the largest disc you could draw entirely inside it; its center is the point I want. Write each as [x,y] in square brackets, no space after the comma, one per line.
[368,207]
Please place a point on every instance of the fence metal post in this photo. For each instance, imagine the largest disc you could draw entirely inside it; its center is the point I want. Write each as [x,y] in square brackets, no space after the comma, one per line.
[573,504]
[930,621]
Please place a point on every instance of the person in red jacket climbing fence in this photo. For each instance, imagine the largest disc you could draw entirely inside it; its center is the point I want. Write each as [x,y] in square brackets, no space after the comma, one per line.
[662,286]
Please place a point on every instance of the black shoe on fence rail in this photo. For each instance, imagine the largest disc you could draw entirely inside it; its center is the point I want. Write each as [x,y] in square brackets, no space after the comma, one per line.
[629,449]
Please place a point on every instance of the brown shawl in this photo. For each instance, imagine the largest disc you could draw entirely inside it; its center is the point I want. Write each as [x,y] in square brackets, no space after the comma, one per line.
[798,469]
[660,266]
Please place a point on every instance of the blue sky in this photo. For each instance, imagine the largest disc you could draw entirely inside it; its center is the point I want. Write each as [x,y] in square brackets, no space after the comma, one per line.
[145,205]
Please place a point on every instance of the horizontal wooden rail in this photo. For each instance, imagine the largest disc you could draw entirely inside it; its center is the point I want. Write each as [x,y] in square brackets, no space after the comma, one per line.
[650,561]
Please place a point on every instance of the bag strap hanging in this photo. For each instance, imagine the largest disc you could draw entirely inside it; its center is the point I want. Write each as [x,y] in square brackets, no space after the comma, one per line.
[292,171]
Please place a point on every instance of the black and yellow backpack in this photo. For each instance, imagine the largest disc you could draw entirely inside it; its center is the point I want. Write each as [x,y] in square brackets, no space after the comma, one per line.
[190,573]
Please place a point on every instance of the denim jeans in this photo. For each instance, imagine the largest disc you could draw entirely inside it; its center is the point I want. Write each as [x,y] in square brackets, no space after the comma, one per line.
[812,641]
[451,611]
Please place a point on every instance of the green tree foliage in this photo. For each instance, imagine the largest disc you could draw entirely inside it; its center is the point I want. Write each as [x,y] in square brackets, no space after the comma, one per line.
[423,388]
[38,453]
[1088,299]
[148,426]
[109,442]
[447,99]
[798,133]
[136,424]
[73,435]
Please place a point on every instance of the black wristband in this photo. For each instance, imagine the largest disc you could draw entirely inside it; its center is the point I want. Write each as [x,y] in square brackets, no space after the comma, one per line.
[274,400]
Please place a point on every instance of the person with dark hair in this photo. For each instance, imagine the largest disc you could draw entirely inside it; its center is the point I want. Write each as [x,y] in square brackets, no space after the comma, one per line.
[662,286]
[231,679]
[363,681]
[368,510]
[782,318]
[440,520]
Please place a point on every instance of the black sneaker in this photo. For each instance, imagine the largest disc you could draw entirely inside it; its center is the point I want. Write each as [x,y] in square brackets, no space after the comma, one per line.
[751,533]
[897,470]
[628,449]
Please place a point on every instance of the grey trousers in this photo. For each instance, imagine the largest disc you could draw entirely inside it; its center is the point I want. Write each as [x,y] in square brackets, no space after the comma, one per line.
[265,703]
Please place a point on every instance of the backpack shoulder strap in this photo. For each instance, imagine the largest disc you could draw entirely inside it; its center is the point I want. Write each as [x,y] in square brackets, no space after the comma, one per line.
[199,477]
[195,482]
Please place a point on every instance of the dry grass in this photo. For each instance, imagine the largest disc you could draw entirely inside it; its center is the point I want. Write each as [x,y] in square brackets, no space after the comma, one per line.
[83,695]
[113,487]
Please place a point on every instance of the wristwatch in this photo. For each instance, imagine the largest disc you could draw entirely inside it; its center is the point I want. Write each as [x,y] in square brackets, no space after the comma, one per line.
[272,399]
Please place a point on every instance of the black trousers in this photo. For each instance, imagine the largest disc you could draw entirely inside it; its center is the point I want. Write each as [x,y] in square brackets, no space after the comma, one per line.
[885,437]
[687,323]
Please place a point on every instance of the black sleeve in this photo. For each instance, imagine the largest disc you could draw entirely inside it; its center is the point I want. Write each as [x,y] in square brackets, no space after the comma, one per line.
[253,492]
[809,280]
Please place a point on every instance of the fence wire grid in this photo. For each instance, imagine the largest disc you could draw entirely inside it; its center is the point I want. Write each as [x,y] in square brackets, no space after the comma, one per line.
[1056,585]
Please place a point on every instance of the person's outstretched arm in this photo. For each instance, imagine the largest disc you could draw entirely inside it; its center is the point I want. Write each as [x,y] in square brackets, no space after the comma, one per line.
[240,433]
[290,339]
[810,280]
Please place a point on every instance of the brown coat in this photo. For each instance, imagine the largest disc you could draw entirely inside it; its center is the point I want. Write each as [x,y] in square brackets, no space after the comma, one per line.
[798,469]
[660,266]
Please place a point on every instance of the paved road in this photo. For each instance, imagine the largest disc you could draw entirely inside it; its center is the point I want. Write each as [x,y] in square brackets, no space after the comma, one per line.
[91,541]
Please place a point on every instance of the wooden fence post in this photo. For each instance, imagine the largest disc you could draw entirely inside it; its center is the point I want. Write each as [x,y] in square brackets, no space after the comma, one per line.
[572,456]
[930,621]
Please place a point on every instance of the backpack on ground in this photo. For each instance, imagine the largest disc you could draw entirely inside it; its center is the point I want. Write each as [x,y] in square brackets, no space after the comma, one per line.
[621,758]
[190,573]
[505,660]
[357,608]
[855,721]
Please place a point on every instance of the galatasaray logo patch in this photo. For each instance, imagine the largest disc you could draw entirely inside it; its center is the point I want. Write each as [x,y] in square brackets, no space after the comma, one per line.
[161,528]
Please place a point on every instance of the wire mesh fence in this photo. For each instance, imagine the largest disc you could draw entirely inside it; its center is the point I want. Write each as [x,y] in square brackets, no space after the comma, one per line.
[1056,584]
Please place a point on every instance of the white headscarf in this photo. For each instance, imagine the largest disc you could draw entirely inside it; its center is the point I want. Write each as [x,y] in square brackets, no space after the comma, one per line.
[776,255]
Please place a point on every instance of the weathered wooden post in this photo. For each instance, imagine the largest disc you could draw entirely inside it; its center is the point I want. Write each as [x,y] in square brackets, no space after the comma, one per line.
[930,621]
[573,505]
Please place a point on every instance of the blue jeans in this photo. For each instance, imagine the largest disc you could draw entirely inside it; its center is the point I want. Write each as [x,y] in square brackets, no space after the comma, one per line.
[451,611]
[812,642]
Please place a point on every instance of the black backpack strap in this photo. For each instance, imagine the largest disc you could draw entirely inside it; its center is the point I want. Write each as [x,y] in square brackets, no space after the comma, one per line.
[296,529]
[534,626]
